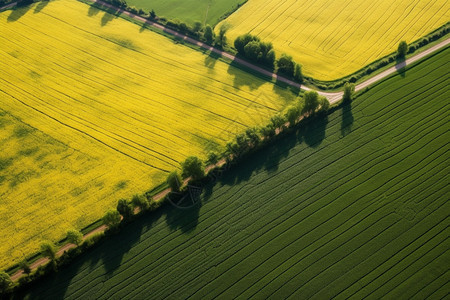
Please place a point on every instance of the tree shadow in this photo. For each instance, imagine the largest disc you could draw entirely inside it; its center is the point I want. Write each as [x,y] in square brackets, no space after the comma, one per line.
[211,60]
[400,66]
[18,12]
[109,253]
[240,81]
[93,11]
[310,131]
[184,219]
[40,6]
[347,118]
[285,91]
[109,16]
[313,131]
[144,26]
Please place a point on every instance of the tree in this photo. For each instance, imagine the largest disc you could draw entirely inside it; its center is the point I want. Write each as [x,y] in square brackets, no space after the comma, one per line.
[48,249]
[349,90]
[209,34]
[221,39]
[174,181]
[197,27]
[242,142]
[25,266]
[24,2]
[112,219]
[74,237]
[286,65]
[233,148]
[192,167]
[241,41]
[252,50]
[270,58]
[402,49]
[213,157]
[152,14]
[324,103]
[292,114]
[5,282]
[124,209]
[311,101]
[253,136]
[298,76]
[268,131]
[183,28]
[278,121]
[140,201]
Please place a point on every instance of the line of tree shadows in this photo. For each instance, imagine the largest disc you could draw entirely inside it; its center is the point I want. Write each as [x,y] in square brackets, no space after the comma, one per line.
[347,118]
[400,66]
[109,13]
[111,250]
[23,7]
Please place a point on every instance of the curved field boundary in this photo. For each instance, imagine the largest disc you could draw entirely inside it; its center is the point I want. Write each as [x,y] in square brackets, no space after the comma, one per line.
[332,97]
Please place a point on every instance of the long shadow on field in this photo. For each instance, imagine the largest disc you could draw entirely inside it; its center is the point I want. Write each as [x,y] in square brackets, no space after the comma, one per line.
[311,132]
[102,260]
[109,16]
[40,6]
[185,220]
[18,12]
[93,11]
[211,60]
[347,118]
[400,66]
[240,81]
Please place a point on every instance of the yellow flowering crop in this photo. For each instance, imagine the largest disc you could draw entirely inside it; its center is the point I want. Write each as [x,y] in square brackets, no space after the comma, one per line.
[332,39]
[93,108]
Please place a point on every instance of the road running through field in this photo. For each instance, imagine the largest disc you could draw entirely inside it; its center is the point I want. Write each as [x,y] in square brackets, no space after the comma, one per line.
[333,97]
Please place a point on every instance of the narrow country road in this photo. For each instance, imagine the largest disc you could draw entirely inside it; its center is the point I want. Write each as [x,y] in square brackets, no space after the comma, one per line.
[332,97]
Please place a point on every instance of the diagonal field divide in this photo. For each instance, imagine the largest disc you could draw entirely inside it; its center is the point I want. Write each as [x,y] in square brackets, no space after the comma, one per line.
[332,97]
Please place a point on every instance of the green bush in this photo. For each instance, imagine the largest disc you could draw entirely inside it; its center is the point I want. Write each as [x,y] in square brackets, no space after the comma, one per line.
[192,167]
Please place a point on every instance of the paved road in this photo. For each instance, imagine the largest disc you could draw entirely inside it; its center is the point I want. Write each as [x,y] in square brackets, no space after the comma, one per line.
[401,65]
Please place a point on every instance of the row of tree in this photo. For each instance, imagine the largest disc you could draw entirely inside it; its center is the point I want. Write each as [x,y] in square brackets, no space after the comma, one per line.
[252,48]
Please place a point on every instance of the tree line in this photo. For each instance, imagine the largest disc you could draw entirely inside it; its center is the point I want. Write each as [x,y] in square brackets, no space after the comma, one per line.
[257,51]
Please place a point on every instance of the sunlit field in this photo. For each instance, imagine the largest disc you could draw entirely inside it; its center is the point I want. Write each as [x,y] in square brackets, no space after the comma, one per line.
[95,108]
[351,206]
[332,39]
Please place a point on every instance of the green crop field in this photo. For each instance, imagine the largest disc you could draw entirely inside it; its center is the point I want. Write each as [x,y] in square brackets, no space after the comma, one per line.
[189,11]
[354,205]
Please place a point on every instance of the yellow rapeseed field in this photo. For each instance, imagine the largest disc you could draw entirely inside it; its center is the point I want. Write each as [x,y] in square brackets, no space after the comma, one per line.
[94,108]
[332,39]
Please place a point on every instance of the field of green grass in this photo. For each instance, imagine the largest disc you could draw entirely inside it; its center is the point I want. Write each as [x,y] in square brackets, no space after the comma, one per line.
[354,205]
[189,11]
